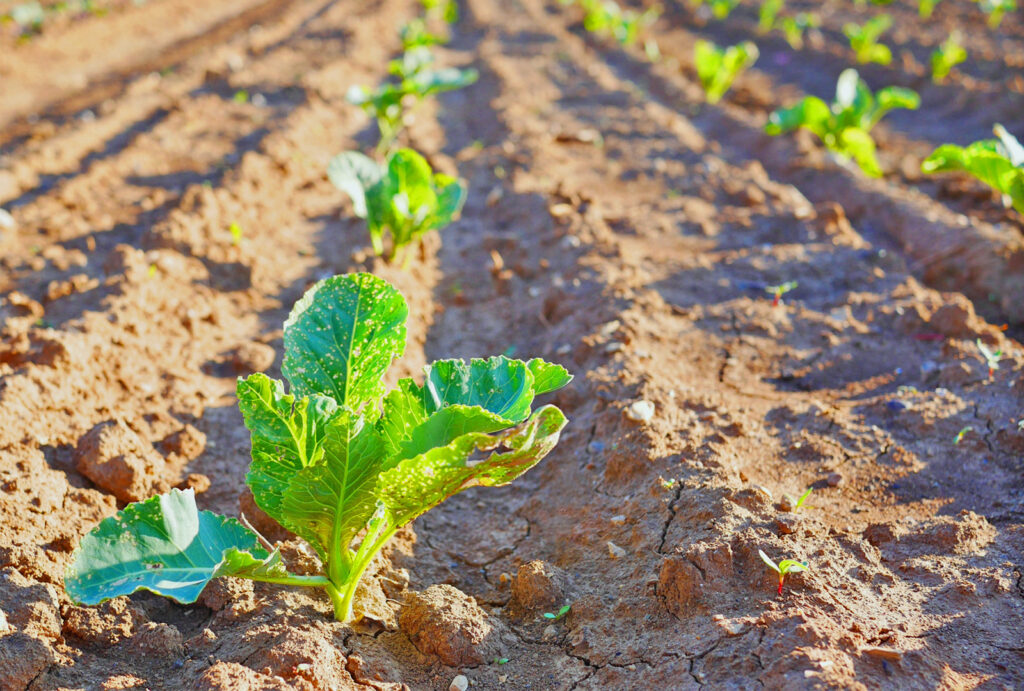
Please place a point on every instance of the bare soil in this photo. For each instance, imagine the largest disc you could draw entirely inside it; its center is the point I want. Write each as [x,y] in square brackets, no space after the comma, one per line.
[615,224]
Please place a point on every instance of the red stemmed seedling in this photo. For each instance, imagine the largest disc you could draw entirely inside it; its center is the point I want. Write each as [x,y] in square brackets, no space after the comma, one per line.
[778,291]
[783,567]
[992,358]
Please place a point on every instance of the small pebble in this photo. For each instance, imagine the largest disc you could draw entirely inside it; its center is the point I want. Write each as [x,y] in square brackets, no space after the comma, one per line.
[459,683]
[834,479]
[639,411]
[787,502]
[615,552]
[618,520]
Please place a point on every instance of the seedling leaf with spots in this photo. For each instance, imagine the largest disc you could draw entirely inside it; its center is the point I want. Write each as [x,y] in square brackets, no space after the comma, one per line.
[783,567]
[404,198]
[336,458]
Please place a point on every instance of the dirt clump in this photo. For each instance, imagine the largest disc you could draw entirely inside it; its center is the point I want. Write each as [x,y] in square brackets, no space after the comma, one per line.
[118,460]
[30,607]
[22,658]
[538,585]
[444,621]
[231,676]
[107,623]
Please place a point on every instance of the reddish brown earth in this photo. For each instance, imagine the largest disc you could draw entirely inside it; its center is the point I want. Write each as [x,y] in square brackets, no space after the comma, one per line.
[634,226]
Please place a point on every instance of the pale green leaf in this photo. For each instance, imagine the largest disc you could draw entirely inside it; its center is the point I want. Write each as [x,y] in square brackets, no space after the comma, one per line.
[164,545]
[354,173]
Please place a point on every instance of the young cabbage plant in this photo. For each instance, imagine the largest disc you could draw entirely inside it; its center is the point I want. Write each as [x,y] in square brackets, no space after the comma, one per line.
[416,34]
[336,458]
[793,28]
[606,17]
[948,55]
[778,291]
[845,126]
[783,567]
[999,163]
[767,15]
[803,498]
[388,104]
[718,67]
[403,197]
[562,611]
[991,357]
[864,40]
[448,10]
[996,9]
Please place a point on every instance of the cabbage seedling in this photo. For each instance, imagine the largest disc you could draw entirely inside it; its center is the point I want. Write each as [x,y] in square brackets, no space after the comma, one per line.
[783,567]
[718,67]
[404,197]
[767,15]
[926,7]
[337,459]
[995,9]
[793,28]
[608,18]
[999,163]
[864,40]
[555,616]
[961,434]
[778,291]
[845,126]
[387,103]
[948,55]
[992,358]
[415,34]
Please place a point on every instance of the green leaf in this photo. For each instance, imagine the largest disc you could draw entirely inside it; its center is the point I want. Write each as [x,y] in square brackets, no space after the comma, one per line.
[286,436]
[858,145]
[341,337]
[984,160]
[547,376]
[811,112]
[164,545]
[417,484]
[330,502]
[354,173]
[429,82]
[499,385]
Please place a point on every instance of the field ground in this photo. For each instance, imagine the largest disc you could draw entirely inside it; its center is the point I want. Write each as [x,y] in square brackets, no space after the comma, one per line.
[615,224]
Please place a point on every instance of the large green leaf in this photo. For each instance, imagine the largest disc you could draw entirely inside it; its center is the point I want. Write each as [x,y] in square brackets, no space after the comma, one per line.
[330,502]
[354,173]
[341,337]
[498,385]
[418,484]
[286,435]
[985,160]
[164,545]
[547,376]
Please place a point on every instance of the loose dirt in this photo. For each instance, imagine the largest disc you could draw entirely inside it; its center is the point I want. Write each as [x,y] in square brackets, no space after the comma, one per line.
[636,229]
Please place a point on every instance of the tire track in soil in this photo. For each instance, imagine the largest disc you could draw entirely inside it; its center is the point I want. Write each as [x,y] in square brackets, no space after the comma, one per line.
[645,620]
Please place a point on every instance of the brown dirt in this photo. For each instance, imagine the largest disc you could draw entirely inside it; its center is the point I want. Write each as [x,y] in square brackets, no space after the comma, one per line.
[635,227]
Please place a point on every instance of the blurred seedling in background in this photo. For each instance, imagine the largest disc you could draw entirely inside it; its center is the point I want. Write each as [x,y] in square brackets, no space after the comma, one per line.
[991,357]
[415,34]
[793,28]
[961,434]
[844,127]
[947,56]
[767,15]
[236,233]
[778,291]
[720,9]
[999,163]
[448,10]
[783,568]
[996,9]
[864,40]
[926,7]
[555,616]
[718,67]
[606,17]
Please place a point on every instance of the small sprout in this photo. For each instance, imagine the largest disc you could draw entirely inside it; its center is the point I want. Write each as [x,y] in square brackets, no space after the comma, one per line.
[1020,425]
[718,67]
[802,499]
[556,616]
[991,358]
[669,484]
[783,567]
[236,233]
[241,96]
[767,15]
[606,17]
[864,40]
[995,9]
[925,7]
[793,28]
[501,660]
[947,56]
[960,435]
[151,272]
[778,291]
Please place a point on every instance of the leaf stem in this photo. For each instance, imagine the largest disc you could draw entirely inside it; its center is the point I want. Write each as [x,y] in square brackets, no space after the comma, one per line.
[292,579]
